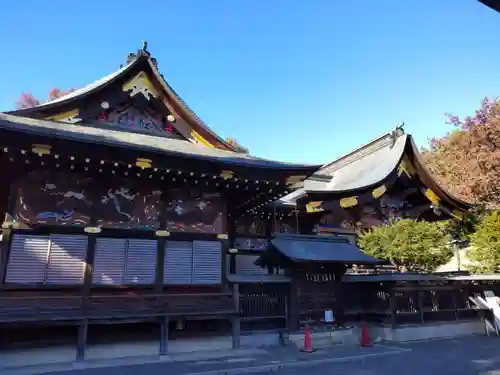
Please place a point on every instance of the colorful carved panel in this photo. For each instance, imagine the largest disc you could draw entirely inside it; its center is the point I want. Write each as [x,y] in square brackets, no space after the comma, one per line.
[390,206]
[128,208]
[132,119]
[252,226]
[196,212]
[52,199]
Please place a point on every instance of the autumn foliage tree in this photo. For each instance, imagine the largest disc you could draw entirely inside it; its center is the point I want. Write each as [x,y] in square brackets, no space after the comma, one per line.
[467,160]
[28,100]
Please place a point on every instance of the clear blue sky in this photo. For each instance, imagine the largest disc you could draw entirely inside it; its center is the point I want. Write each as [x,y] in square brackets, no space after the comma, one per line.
[303,81]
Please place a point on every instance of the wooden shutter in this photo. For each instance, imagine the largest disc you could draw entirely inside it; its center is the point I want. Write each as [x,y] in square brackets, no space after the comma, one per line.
[245,265]
[206,262]
[178,262]
[141,261]
[66,264]
[109,262]
[27,259]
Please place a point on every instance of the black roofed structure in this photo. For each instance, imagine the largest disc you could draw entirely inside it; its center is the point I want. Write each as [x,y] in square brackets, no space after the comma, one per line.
[121,205]
[313,249]
[493,4]
[141,80]
[365,188]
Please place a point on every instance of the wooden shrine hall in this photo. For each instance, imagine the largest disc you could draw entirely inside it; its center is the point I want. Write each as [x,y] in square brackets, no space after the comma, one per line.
[119,206]
[381,181]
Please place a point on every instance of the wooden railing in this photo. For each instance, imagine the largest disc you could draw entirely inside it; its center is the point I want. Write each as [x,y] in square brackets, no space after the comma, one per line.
[409,304]
[263,306]
[69,308]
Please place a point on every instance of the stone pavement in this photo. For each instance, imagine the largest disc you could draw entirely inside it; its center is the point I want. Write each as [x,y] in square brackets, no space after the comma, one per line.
[474,355]
[464,356]
[220,362]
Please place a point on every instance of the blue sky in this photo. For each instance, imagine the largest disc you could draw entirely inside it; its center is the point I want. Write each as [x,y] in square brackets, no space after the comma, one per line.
[303,81]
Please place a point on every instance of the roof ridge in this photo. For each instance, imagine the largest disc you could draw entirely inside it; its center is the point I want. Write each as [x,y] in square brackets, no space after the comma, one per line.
[364,150]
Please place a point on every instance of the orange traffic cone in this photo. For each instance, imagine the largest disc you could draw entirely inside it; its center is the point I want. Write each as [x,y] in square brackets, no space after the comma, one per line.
[307,341]
[365,337]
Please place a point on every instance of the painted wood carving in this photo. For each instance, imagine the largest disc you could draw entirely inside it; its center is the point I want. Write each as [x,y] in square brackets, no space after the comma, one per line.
[132,119]
[196,212]
[125,207]
[52,199]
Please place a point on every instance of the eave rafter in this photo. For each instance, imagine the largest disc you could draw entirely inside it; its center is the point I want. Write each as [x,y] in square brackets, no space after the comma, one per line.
[234,182]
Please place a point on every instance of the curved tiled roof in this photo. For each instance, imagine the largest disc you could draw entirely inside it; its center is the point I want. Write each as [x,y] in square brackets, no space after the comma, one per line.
[367,167]
[105,81]
[146,142]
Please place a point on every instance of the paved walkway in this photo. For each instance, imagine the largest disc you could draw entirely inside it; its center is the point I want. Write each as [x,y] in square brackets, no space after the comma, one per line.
[473,355]
[220,362]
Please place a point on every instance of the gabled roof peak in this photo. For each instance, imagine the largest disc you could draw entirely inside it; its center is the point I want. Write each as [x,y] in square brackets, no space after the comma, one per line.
[141,52]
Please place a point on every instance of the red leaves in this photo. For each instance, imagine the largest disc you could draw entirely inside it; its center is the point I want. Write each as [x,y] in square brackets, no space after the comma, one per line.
[27,100]
[467,160]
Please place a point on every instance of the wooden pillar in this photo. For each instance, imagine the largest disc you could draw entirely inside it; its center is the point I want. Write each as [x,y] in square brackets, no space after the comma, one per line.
[162,241]
[454,300]
[164,335]
[393,307]
[89,265]
[235,331]
[7,232]
[293,301]
[4,254]
[160,263]
[339,308]
[420,305]
[82,340]
[232,263]
[236,320]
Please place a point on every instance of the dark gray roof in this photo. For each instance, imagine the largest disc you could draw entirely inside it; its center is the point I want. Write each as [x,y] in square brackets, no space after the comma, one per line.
[101,83]
[493,4]
[368,166]
[362,168]
[365,166]
[144,142]
[402,276]
[304,248]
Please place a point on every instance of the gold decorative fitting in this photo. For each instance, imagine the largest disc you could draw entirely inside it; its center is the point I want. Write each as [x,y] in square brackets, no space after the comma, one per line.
[292,180]
[199,139]
[348,202]
[41,150]
[171,118]
[314,207]
[141,84]
[222,236]
[69,116]
[92,230]
[405,166]
[143,163]
[227,175]
[378,192]
[432,196]
[162,233]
